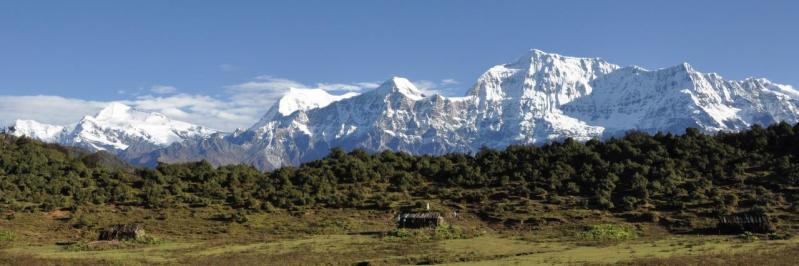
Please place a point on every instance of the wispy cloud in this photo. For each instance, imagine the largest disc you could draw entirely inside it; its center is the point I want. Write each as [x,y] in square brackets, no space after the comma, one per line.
[444,87]
[447,82]
[270,83]
[199,109]
[341,87]
[47,109]
[254,97]
[239,106]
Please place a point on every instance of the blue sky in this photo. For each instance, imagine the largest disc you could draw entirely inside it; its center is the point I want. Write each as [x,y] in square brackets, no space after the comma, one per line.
[179,57]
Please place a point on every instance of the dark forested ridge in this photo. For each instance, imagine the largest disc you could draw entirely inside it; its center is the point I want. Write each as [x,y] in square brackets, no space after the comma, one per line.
[674,176]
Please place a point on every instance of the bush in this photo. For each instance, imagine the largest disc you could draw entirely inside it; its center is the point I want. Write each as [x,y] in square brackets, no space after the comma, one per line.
[606,232]
[399,233]
[442,232]
[240,217]
[147,240]
[749,236]
[144,240]
[776,236]
[449,232]
[651,216]
[84,221]
[6,238]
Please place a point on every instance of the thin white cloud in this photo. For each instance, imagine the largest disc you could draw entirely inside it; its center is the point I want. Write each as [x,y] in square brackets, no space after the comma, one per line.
[444,87]
[199,109]
[163,89]
[447,82]
[368,84]
[340,87]
[47,109]
[240,106]
[427,87]
[253,98]
[266,83]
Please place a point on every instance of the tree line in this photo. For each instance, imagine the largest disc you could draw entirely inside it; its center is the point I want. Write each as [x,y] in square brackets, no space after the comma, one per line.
[755,168]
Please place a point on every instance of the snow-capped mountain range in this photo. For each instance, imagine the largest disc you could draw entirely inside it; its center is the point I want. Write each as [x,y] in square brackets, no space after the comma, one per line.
[539,98]
[118,129]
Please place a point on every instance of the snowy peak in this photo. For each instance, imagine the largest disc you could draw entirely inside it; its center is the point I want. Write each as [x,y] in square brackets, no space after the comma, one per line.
[118,126]
[300,100]
[552,78]
[36,130]
[766,86]
[115,128]
[306,99]
[114,111]
[401,86]
[536,56]
[122,115]
[539,61]
[674,98]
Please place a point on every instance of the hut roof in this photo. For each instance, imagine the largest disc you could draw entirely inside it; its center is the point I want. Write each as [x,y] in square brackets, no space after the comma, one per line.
[421,215]
[121,231]
[125,227]
[744,219]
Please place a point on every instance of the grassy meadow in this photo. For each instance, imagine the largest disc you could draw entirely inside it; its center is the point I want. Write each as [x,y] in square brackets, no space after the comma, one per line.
[348,237]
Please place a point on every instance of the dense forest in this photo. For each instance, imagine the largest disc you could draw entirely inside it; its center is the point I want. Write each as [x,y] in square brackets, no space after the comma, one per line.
[756,169]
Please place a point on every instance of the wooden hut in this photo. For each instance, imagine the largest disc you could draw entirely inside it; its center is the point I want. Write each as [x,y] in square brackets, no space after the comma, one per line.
[739,223]
[419,220]
[121,232]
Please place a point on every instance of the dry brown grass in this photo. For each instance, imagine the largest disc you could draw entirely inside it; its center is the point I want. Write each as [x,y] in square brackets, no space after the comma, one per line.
[193,236]
[780,256]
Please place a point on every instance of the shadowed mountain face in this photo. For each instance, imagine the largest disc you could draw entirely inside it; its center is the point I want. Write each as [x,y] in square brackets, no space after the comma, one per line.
[539,98]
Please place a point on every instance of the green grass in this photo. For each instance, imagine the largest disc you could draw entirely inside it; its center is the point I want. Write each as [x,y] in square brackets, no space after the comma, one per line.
[443,232]
[484,250]
[6,236]
[345,237]
[607,232]
[507,252]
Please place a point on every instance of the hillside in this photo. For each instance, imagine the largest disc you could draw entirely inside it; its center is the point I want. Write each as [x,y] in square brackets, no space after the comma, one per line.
[659,185]
[693,173]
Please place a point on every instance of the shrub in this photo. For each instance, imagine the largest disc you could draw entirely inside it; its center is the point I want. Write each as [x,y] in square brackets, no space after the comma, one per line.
[147,240]
[776,236]
[399,233]
[449,232]
[6,238]
[605,232]
[629,203]
[651,216]
[749,236]
[240,217]
[83,221]
[442,232]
